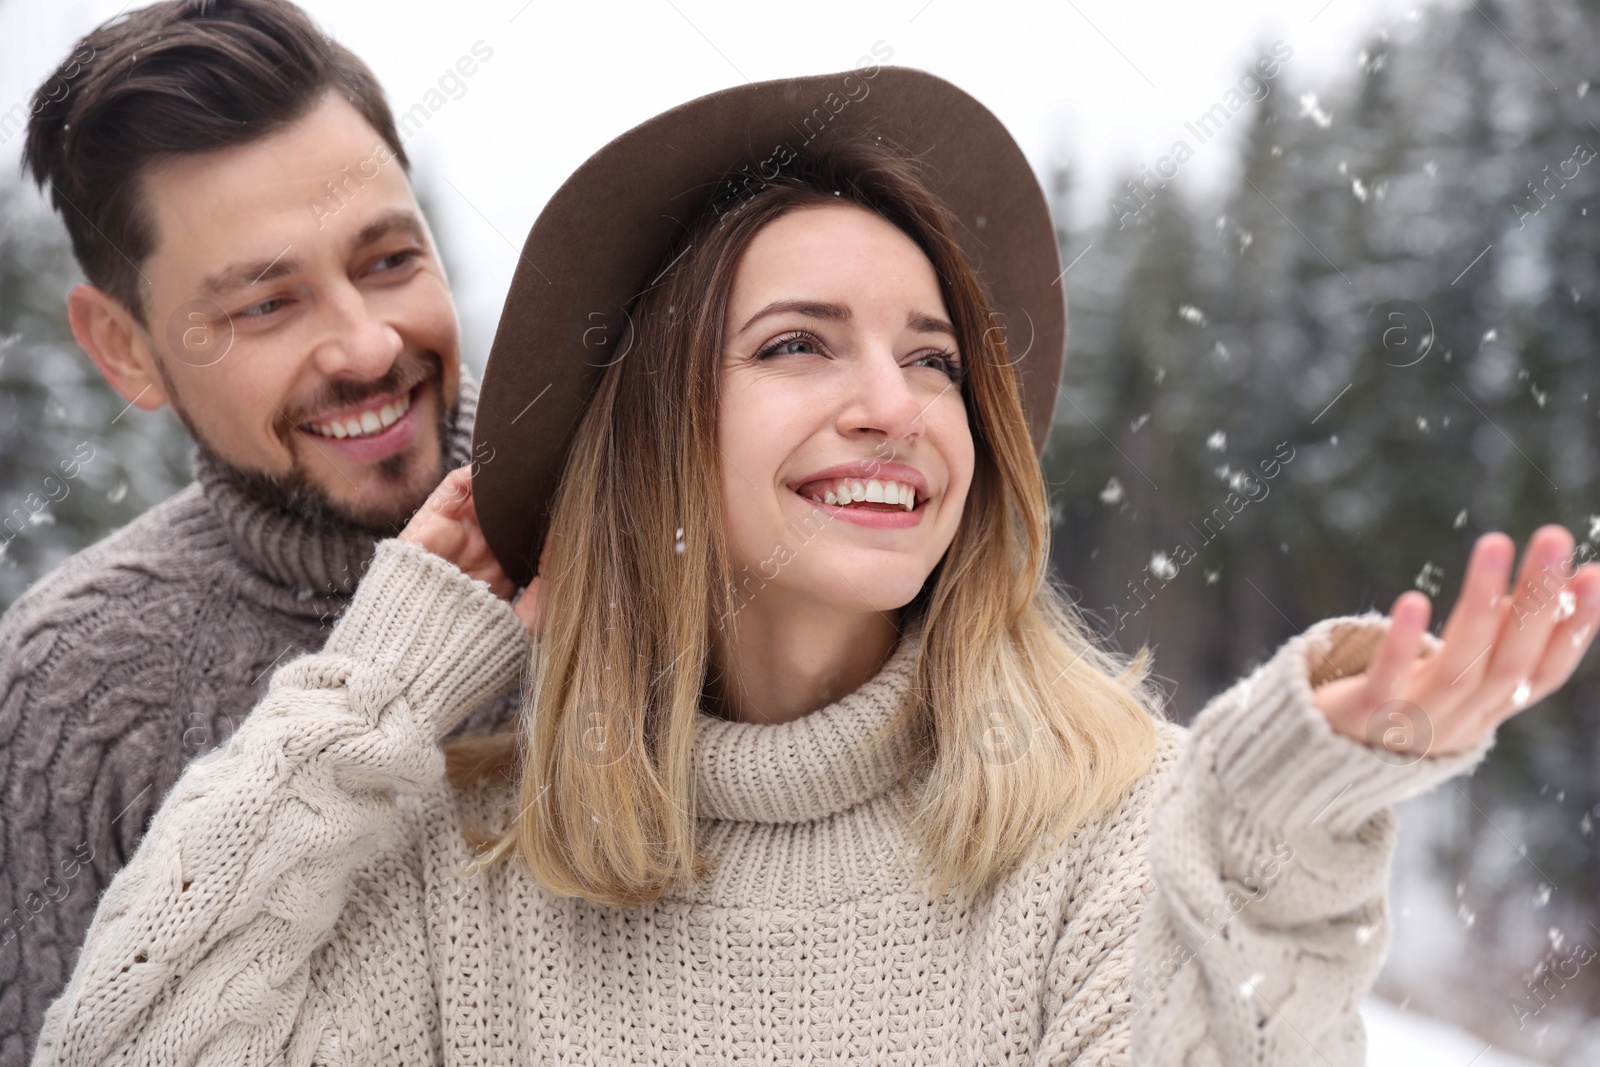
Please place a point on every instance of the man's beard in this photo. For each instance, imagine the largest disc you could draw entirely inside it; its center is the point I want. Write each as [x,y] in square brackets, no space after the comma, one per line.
[297,493]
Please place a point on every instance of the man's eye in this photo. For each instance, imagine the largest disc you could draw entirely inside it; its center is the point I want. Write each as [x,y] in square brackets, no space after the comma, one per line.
[266,307]
[390,262]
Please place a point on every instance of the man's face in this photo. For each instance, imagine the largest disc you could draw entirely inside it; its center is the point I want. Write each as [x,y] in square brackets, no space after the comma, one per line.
[299,318]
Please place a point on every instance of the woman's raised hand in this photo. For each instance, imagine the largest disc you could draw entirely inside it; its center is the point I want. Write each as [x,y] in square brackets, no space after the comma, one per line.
[447,526]
[1501,653]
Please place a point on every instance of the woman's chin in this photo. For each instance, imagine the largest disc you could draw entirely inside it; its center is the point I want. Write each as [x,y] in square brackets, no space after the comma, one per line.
[856,593]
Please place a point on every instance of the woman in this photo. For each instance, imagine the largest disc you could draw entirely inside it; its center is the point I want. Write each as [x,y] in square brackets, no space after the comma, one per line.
[814,764]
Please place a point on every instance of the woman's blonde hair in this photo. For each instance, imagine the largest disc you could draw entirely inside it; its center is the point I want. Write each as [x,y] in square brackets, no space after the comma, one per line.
[1025,725]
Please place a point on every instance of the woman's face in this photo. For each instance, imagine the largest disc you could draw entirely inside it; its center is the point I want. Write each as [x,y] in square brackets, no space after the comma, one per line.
[837,380]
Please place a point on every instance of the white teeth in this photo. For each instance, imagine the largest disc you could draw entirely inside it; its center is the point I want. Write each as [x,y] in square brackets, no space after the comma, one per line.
[368,422]
[873,490]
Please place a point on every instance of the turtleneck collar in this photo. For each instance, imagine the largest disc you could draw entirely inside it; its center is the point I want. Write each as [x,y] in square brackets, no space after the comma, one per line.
[814,766]
[315,558]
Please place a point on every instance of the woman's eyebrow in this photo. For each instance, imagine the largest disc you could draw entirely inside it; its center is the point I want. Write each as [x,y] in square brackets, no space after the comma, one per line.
[816,309]
[922,322]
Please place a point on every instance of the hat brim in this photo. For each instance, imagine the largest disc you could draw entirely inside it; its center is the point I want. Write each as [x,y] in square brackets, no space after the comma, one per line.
[597,241]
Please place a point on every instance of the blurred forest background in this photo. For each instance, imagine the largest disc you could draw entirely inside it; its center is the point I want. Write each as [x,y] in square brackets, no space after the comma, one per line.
[1401,291]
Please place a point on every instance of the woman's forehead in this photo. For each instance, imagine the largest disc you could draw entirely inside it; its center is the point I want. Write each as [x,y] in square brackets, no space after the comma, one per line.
[838,254]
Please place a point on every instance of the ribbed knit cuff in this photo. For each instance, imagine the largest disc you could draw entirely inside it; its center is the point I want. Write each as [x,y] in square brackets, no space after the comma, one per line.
[1283,766]
[439,637]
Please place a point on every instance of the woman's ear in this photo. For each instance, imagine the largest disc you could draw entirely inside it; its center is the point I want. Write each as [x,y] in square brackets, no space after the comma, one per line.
[116,342]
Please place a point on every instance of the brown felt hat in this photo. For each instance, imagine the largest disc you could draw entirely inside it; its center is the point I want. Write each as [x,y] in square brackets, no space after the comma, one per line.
[607,231]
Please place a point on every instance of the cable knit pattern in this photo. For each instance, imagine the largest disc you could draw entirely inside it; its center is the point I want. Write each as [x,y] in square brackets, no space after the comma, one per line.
[1271,851]
[122,665]
[303,896]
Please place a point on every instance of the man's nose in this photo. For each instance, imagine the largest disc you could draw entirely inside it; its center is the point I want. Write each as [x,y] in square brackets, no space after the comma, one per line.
[356,343]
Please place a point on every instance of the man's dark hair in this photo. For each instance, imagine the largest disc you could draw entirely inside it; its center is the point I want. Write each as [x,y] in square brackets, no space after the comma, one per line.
[173,78]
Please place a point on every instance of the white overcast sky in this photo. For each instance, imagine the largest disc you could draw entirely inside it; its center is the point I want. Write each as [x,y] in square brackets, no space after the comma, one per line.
[1103,84]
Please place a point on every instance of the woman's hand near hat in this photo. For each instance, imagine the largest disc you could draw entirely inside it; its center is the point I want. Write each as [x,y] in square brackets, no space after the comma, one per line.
[1501,653]
[447,526]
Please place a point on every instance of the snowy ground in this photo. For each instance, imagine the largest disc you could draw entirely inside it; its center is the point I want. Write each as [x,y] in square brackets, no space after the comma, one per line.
[1398,1038]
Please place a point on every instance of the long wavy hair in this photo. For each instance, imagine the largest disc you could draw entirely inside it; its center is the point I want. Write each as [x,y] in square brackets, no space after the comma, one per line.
[1025,725]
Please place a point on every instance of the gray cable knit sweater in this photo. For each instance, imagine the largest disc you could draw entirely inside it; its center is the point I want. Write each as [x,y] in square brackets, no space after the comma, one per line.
[303,896]
[120,666]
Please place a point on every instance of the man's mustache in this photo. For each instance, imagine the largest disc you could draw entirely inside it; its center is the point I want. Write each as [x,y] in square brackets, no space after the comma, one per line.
[343,393]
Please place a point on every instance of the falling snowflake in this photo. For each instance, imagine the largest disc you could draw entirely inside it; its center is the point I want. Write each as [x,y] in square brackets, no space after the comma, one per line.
[1161,373]
[1539,396]
[1222,351]
[1248,987]
[118,491]
[1540,898]
[1490,335]
[1162,567]
[1422,423]
[1113,492]
[1428,578]
[1138,424]
[1308,106]
[1431,169]
[679,545]
[1360,190]
[1566,605]
[1217,441]
[1212,577]
[1466,915]
[1461,519]
[1523,692]
[1190,313]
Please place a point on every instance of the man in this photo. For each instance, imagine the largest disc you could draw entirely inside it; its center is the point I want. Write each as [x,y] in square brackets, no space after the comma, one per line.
[238,199]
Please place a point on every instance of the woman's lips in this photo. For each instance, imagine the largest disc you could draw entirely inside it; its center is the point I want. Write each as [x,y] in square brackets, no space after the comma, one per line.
[875,517]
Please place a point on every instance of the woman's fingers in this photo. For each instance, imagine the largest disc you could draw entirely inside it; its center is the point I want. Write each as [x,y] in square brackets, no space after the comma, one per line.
[1536,599]
[1470,632]
[1574,632]
[1390,667]
[447,526]
[530,607]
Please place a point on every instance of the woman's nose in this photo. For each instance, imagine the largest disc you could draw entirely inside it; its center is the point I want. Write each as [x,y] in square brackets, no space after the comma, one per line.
[882,398]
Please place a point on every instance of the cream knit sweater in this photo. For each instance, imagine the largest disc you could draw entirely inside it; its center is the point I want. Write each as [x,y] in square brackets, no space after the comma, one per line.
[299,897]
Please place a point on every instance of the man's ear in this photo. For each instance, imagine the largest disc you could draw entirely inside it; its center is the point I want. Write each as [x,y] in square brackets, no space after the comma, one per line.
[116,342]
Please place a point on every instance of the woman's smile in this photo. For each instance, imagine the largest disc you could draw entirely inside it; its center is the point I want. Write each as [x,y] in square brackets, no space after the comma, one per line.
[868,493]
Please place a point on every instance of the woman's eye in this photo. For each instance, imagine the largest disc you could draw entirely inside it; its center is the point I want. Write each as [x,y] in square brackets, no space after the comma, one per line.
[947,362]
[789,346]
